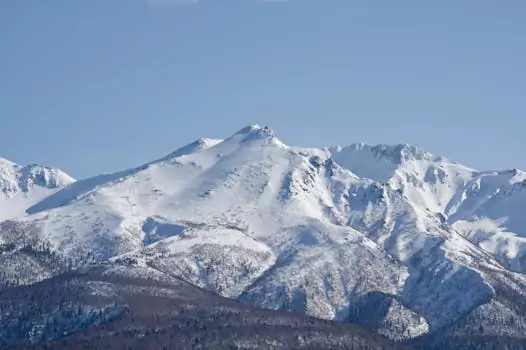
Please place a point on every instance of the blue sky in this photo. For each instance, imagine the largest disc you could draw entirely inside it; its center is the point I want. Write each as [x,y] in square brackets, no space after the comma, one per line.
[97,86]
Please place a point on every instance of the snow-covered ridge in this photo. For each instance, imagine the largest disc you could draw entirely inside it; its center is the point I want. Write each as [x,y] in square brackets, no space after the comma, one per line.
[23,186]
[327,232]
[458,193]
[14,177]
[197,145]
[396,154]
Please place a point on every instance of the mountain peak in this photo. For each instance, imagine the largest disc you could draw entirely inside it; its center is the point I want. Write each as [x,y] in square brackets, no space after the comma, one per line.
[43,176]
[396,153]
[257,132]
[14,177]
[288,228]
[254,127]
[379,162]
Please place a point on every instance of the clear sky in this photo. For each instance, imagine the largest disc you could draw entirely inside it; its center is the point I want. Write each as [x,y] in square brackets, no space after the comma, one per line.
[96,86]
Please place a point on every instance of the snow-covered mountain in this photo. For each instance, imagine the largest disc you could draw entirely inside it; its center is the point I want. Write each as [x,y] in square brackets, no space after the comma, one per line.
[23,186]
[391,237]
[485,206]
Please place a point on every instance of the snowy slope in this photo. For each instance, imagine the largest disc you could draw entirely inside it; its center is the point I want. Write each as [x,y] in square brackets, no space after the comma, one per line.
[24,186]
[485,206]
[332,233]
[428,181]
[307,230]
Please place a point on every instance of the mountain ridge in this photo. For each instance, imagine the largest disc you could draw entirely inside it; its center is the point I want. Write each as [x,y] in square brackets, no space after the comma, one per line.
[23,186]
[330,233]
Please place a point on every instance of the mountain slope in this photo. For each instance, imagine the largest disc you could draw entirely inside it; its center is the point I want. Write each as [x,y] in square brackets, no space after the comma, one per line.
[361,234]
[23,186]
[485,206]
[115,307]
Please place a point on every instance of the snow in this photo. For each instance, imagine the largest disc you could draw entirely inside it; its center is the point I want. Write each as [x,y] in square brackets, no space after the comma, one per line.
[508,248]
[308,230]
[221,260]
[213,236]
[23,186]
[428,181]
[485,206]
